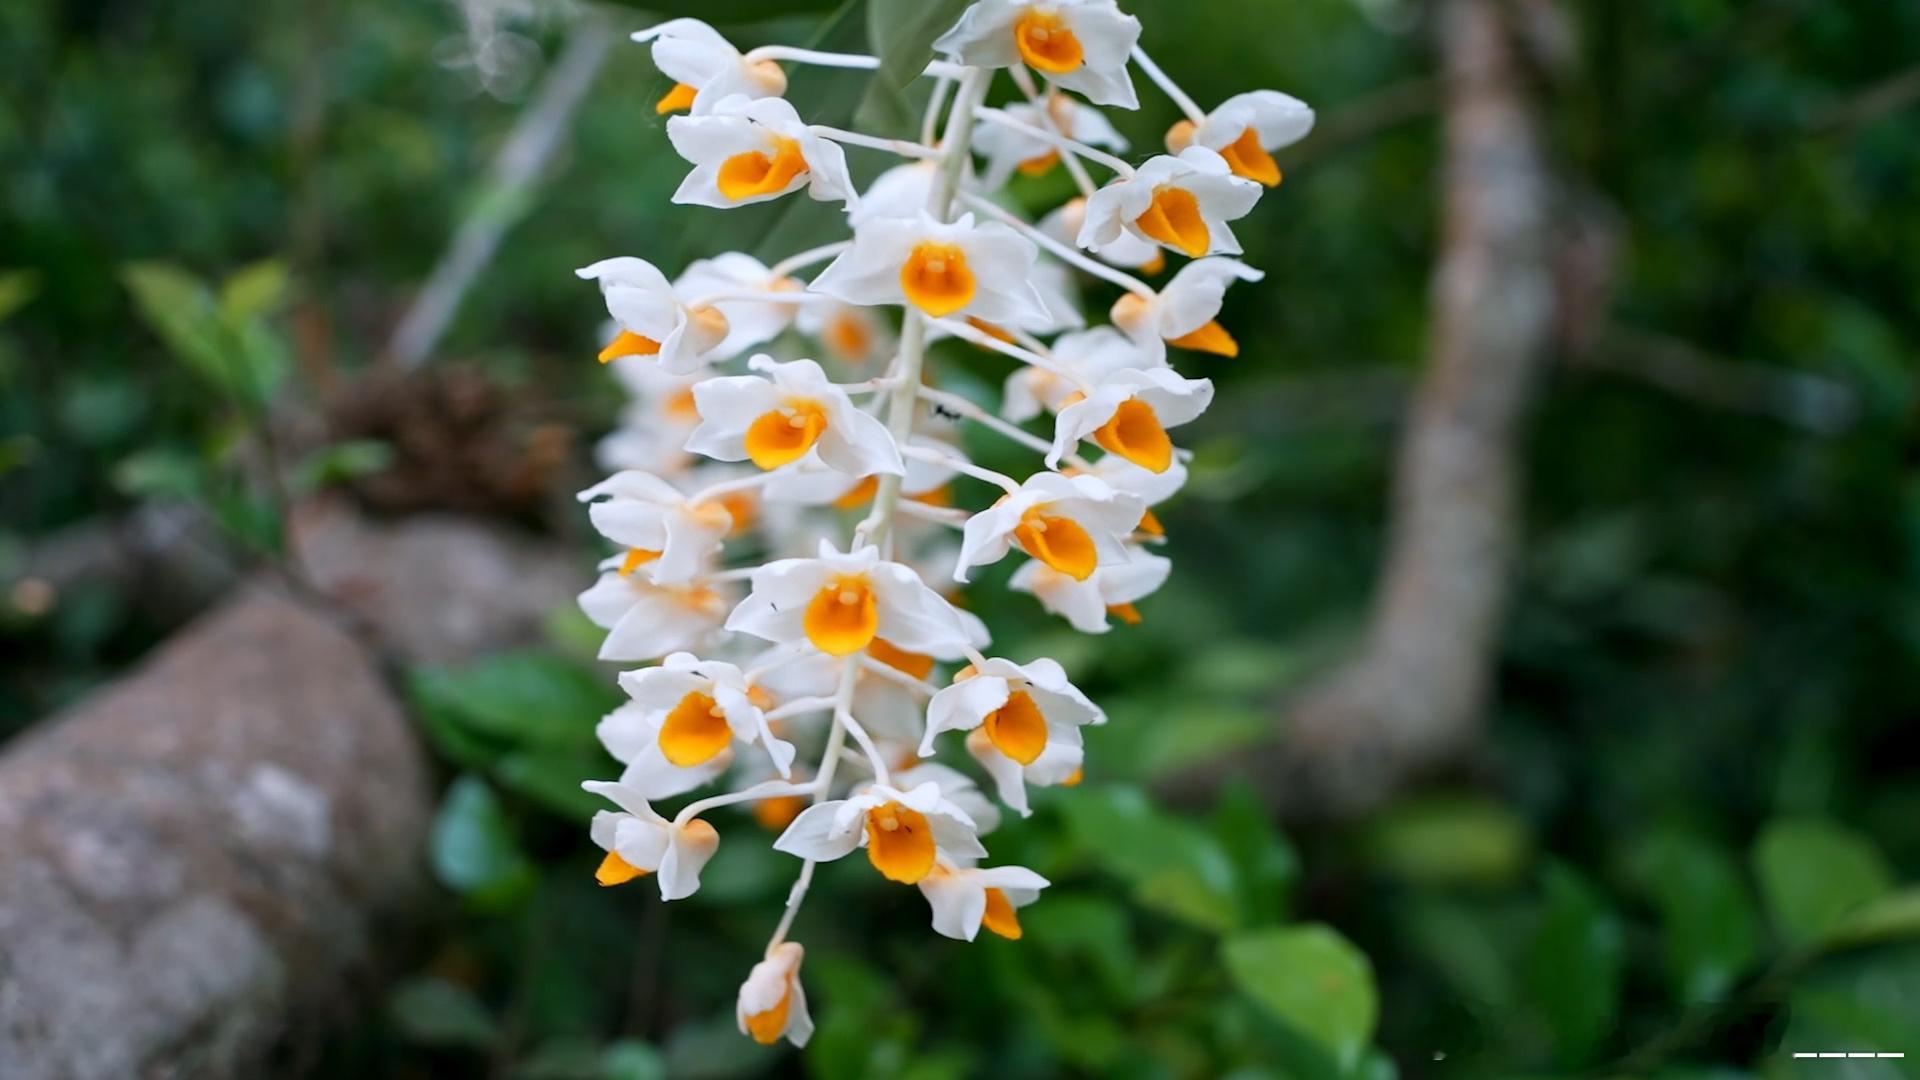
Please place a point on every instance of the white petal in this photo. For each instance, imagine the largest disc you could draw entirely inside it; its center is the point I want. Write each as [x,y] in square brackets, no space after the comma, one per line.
[813,834]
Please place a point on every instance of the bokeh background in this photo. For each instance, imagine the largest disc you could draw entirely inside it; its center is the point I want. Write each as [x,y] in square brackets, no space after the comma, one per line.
[1674,848]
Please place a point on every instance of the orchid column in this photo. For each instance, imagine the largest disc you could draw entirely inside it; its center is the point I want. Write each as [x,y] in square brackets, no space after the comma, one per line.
[786,442]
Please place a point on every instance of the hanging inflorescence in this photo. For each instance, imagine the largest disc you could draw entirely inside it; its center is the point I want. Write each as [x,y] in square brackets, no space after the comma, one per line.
[841,641]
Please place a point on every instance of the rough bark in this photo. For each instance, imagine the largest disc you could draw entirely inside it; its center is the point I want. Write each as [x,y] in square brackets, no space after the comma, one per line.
[1415,693]
[198,864]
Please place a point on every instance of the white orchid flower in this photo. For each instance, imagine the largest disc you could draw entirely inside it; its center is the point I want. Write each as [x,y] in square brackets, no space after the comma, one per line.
[1073,524]
[779,417]
[853,335]
[1245,129]
[1079,45]
[1023,709]
[1183,203]
[639,841]
[772,1004]
[705,67]
[647,621]
[1057,766]
[1153,488]
[966,898]
[960,268]
[673,540]
[749,150]
[903,831]
[631,733]
[925,480]
[720,281]
[900,192]
[1127,250]
[1009,149]
[1182,313]
[1128,413]
[957,788]
[842,602]
[704,708]
[1112,590]
[652,319]
[1082,359]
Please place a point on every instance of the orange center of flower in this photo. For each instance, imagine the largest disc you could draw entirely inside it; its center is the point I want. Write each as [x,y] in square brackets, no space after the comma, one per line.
[1047,43]
[615,870]
[858,495]
[1000,916]
[1018,729]
[1039,166]
[755,173]
[848,335]
[842,617]
[1174,220]
[678,99]
[694,731]
[1246,157]
[681,406]
[1126,613]
[918,665]
[767,1027]
[936,279]
[778,812]
[629,343]
[899,843]
[1150,525]
[742,507]
[786,434]
[1060,542]
[1135,433]
[1211,338]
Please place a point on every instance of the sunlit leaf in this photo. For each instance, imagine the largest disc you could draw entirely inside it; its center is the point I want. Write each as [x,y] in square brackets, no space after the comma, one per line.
[1174,866]
[1449,840]
[1814,873]
[1311,979]
[472,847]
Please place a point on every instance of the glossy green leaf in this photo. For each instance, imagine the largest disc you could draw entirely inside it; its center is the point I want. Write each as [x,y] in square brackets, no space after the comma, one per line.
[473,849]
[1894,917]
[1311,979]
[901,33]
[1574,966]
[1710,927]
[527,699]
[1814,873]
[1265,864]
[724,12]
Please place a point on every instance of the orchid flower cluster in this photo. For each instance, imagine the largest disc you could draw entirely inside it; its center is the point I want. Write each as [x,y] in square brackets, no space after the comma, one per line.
[729,456]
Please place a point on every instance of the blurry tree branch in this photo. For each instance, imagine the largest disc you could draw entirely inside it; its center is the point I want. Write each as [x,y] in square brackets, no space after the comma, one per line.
[536,136]
[1414,694]
[1892,95]
[1812,403]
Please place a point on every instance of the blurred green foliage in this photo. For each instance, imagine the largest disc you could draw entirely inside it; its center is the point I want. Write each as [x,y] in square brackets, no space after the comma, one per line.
[1680,852]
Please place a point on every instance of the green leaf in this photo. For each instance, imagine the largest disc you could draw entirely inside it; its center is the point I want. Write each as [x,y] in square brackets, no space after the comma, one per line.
[254,291]
[180,311]
[1895,917]
[901,33]
[160,472]
[1710,927]
[473,849]
[523,699]
[552,778]
[434,1012]
[630,1059]
[721,12]
[1174,866]
[17,290]
[1265,864]
[1449,840]
[1311,979]
[1573,966]
[1865,1002]
[342,461]
[1814,873]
